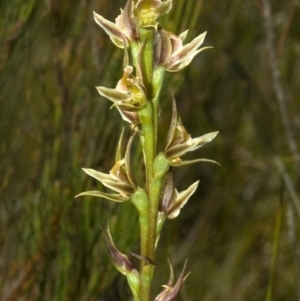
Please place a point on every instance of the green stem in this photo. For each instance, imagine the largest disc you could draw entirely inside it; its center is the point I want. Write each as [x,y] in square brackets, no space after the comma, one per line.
[274,252]
[146,36]
[148,118]
[148,145]
[148,138]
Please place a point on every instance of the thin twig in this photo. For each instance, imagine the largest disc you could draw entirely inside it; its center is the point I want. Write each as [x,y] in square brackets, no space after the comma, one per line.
[289,184]
[275,74]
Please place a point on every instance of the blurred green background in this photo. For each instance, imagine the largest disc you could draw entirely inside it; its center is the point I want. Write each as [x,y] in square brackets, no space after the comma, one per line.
[53,122]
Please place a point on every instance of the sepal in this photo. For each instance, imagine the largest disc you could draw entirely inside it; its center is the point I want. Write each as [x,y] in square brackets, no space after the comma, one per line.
[181,199]
[171,200]
[118,198]
[120,260]
[123,30]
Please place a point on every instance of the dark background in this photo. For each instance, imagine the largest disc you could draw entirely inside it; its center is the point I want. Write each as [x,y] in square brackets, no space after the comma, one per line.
[53,122]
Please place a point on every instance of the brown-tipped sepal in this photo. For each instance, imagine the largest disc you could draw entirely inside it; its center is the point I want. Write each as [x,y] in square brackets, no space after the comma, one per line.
[179,141]
[170,291]
[123,264]
[120,261]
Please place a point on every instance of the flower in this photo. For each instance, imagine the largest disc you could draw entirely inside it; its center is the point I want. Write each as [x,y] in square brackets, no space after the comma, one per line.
[147,11]
[170,52]
[124,30]
[179,141]
[120,177]
[172,201]
[129,94]
[170,291]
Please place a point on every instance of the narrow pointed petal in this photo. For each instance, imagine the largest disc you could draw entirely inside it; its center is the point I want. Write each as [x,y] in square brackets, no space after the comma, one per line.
[107,180]
[119,148]
[113,94]
[165,7]
[187,49]
[185,62]
[171,277]
[200,141]
[139,66]
[172,124]
[173,294]
[168,191]
[118,198]
[128,116]
[129,107]
[128,21]
[183,35]
[179,150]
[166,47]
[178,163]
[129,172]
[181,200]
[120,261]
[100,176]
[115,33]
[123,188]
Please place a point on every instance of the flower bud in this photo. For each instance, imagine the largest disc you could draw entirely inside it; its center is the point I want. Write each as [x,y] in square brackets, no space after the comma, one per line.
[120,261]
[170,292]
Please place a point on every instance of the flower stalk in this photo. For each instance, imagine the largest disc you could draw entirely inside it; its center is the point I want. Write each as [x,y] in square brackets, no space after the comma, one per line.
[149,52]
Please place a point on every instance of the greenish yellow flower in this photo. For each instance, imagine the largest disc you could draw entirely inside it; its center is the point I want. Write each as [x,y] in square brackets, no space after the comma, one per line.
[129,94]
[147,11]
[120,177]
